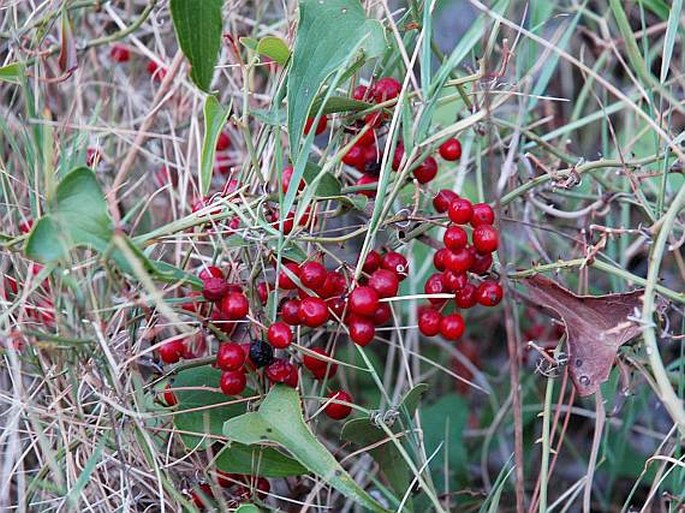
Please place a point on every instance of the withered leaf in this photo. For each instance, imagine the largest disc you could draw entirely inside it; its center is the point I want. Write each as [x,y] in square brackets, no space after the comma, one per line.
[68,61]
[596,326]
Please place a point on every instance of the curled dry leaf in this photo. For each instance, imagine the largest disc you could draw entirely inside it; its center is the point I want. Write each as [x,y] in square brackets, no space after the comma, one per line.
[596,326]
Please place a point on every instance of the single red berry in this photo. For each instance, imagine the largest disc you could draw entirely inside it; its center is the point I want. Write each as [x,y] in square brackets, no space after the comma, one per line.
[334,285]
[286,176]
[194,346]
[489,293]
[362,329]
[172,351]
[355,157]
[93,157]
[482,214]
[461,211]
[234,306]
[368,180]
[429,321]
[223,142]
[458,261]
[294,377]
[202,496]
[337,306]
[371,262]
[226,480]
[395,262]
[214,289]
[319,367]
[434,285]
[384,282]
[450,149]
[481,263]
[397,156]
[262,292]
[280,371]
[313,312]
[485,238]
[320,126]
[386,89]
[335,410]
[452,326]
[426,171]
[211,271]
[372,163]
[368,138]
[313,275]
[375,119]
[465,297]
[233,382]
[169,397]
[382,315]
[453,281]
[360,93]
[290,312]
[230,356]
[158,73]
[439,259]
[443,199]
[284,279]
[363,301]
[119,53]
[455,238]
[279,335]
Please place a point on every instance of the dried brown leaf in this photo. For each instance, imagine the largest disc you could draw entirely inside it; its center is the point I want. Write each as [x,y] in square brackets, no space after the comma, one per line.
[596,326]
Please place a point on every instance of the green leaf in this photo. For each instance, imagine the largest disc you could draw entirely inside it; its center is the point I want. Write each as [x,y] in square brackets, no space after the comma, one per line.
[670,38]
[198,30]
[12,73]
[77,216]
[237,458]
[328,184]
[267,425]
[215,119]
[249,42]
[338,104]
[320,51]
[248,508]
[274,48]
[634,56]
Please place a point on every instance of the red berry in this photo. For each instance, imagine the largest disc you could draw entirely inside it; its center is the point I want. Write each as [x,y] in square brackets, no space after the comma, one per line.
[223,142]
[384,282]
[481,263]
[290,312]
[434,285]
[371,160]
[368,138]
[334,285]
[485,238]
[386,89]
[362,329]
[455,238]
[489,293]
[453,281]
[320,126]
[426,171]
[382,315]
[482,214]
[262,292]
[230,356]
[450,149]
[280,371]
[396,263]
[458,261]
[284,279]
[279,335]
[172,351]
[93,157]
[320,368]
[368,180]
[169,397]
[443,199]
[226,480]
[335,410]
[360,93]
[234,306]
[313,312]
[233,382]
[286,176]
[397,156]
[337,306]
[371,262]
[429,321]
[363,301]
[211,271]
[158,73]
[355,157]
[119,53]
[375,119]
[460,211]
[313,275]
[214,289]
[452,326]
[202,497]
[439,259]
[465,297]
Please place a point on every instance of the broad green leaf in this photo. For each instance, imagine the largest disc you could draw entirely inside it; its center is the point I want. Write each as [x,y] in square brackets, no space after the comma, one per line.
[215,119]
[237,458]
[274,48]
[327,30]
[328,184]
[198,30]
[267,425]
[12,73]
[249,42]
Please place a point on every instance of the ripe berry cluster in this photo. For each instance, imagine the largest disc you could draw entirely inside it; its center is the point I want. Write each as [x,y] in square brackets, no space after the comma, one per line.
[461,266]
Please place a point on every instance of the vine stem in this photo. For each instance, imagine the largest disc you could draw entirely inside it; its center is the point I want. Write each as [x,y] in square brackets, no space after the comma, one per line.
[664,390]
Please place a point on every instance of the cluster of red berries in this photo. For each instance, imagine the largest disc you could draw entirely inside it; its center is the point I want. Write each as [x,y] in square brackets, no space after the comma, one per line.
[240,486]
[461,266]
